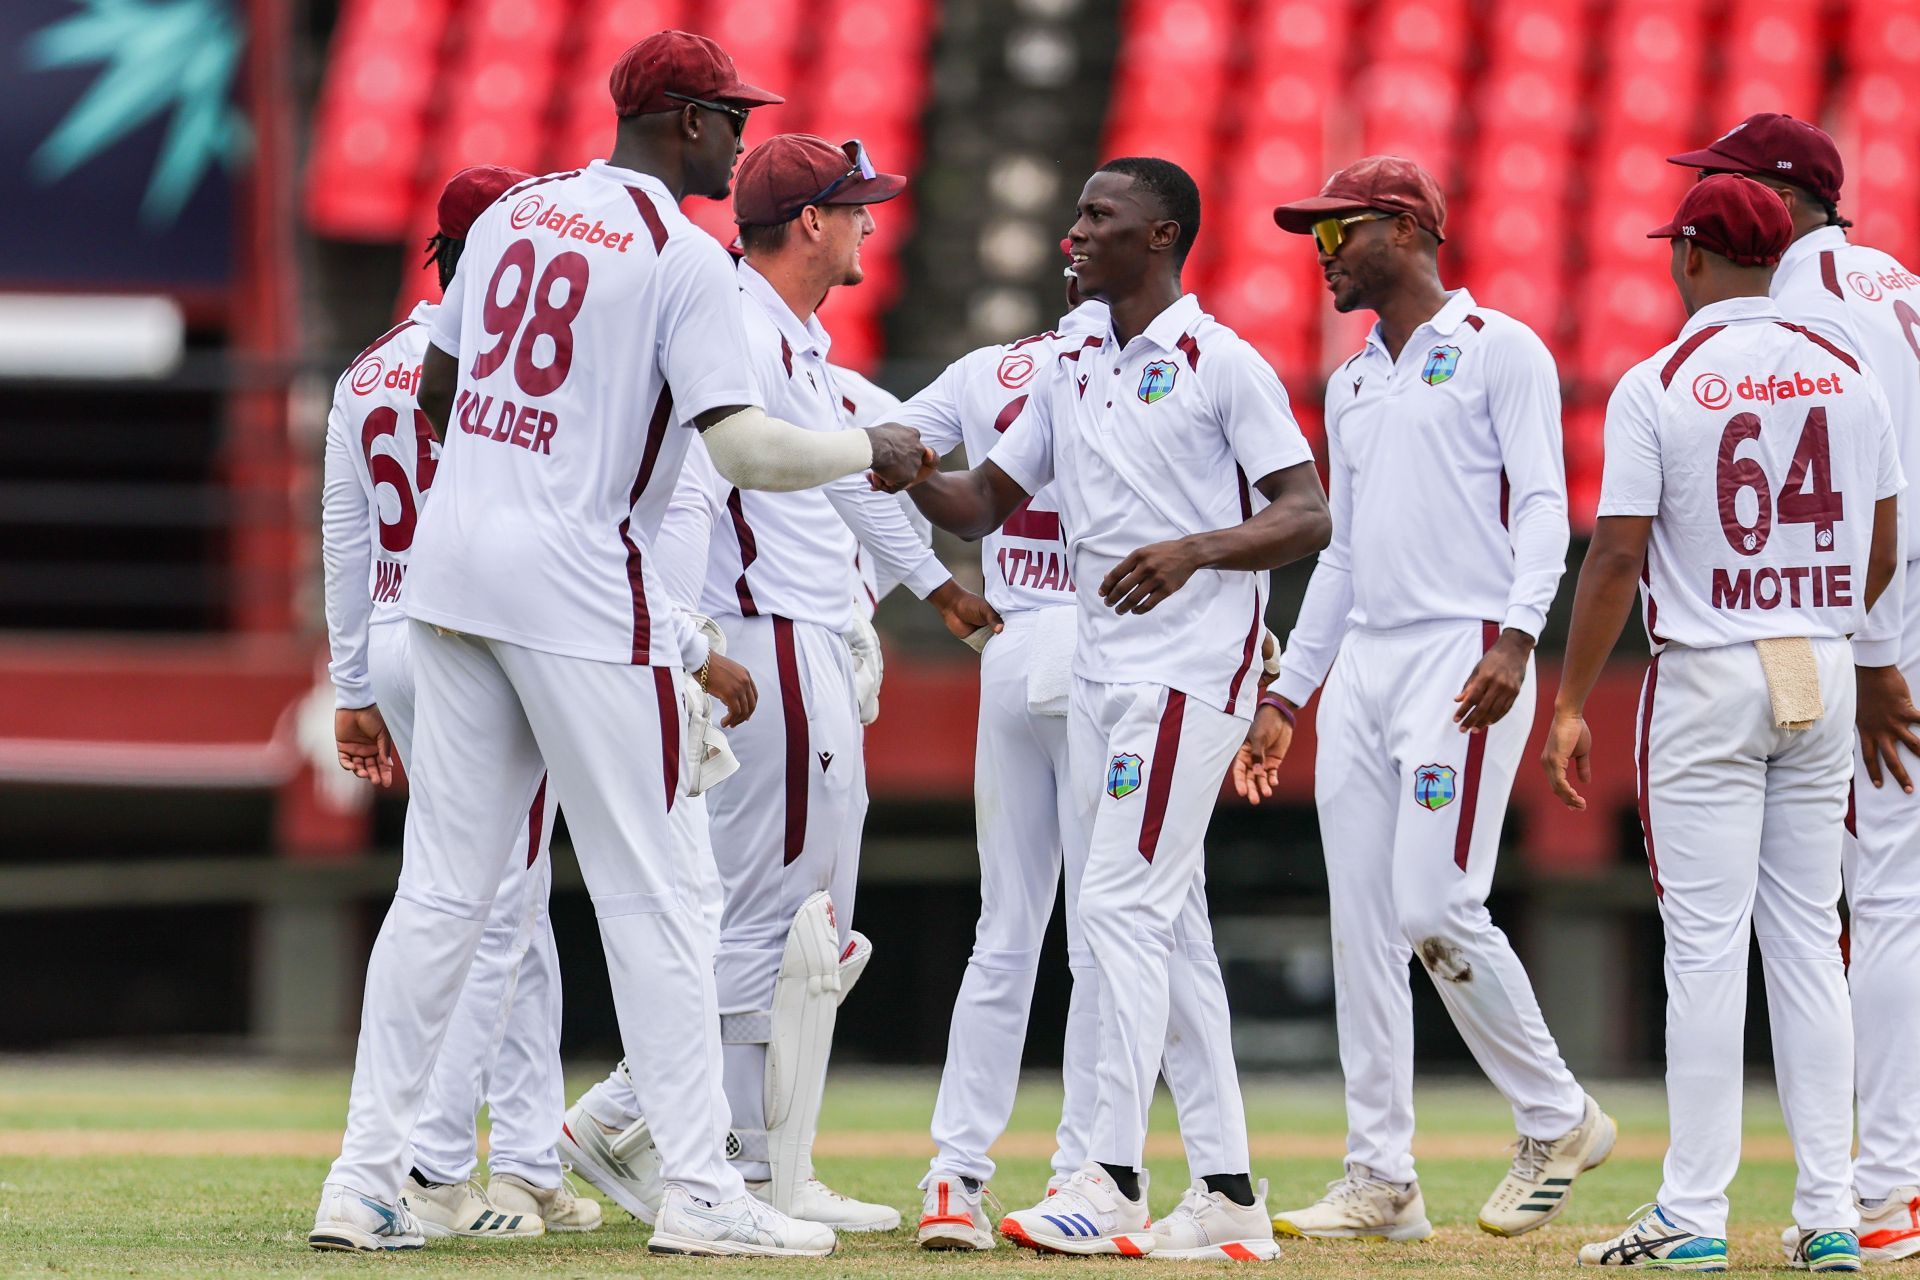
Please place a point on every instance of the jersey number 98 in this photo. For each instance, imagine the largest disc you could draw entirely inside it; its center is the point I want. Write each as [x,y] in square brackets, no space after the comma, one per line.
[549,320]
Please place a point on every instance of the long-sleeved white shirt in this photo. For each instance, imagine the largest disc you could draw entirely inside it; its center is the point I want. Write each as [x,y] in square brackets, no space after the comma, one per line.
[1446,485]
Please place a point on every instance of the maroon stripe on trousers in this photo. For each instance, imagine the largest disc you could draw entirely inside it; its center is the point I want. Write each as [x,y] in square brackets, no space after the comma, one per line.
[793,710]
[669,731]
[1470,775]
[536,819]
[1166,755]
[1646,811]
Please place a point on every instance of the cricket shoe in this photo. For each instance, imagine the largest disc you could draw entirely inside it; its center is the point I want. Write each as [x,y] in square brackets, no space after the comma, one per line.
[349,1221]
[815,1201]
[623,1163]
[561,1207]
[1837,1250]
[1085,1214]
[1359,1206]
[463,1209]
[952,1217]
[744,1226]
[1890,1231]
[1653,1241]
[1536,1187]
[1207,1224]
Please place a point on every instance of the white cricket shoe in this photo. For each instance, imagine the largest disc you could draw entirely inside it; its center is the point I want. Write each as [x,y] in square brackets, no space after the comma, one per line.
[1653,1241]
[952,1217]
[743,1226]
[1206,1224]
[815,1201]
[1085,1214]
[1833,1250]
[624,1164]
[561,1208]
[1891,1230]
[462,1209]
[1359,1206]
[1537,1185]
[352,1222]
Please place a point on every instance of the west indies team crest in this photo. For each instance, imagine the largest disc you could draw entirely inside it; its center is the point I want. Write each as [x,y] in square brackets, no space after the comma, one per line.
[1433,786]
[1123,776]
[1441,362]
[1156,380]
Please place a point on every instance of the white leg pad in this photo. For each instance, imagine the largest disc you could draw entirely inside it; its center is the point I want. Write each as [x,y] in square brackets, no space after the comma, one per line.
[806,1001]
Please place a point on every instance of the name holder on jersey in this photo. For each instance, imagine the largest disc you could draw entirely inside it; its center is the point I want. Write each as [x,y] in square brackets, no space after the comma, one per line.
[530,427]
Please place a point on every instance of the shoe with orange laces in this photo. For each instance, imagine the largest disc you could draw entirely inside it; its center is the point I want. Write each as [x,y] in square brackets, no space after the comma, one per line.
[1086,1214]
[1891,1230]
[952,1217]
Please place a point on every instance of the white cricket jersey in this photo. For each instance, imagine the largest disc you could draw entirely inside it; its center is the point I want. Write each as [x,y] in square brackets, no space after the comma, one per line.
[591,321]
[1868,303]
[1446,485]
[1158,440]
[380,460]
[790,555]
[869,404]
[973,403]
[1759,448]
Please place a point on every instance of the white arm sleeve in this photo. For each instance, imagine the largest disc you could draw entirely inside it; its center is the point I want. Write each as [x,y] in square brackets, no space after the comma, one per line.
[754,451]
[346,555]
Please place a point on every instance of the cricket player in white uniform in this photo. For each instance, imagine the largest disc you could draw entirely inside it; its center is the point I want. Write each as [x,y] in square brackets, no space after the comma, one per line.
[503,1047]
[1026,824]
[1749,492]
[1869,303]
[1161,433]
[589,324]
[1443,447]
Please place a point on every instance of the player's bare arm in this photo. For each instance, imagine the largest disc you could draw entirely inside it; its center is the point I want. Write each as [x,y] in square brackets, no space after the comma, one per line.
[1295,524]
[439,379]
[1884,713]
[365,747]
[969,504]
[1601,603]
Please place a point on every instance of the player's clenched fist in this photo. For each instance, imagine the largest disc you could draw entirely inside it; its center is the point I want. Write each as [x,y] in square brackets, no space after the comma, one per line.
[365,748]
[730,682]
[900,461]
[1256,765]
[1569,748]
[965,613]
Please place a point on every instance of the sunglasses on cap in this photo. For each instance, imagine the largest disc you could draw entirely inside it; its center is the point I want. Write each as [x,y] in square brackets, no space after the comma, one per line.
[1331,233]
[862,169]
[737,115]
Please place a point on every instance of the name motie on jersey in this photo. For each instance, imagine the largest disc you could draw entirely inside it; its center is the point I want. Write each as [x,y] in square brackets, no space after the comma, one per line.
[526,425]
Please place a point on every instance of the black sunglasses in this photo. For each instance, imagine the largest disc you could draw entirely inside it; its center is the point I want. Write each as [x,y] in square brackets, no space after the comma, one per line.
[862,168]
[738,115]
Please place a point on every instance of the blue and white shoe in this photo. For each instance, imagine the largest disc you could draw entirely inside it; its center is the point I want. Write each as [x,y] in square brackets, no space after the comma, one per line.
[356,1223]
[1086,1214]
[1821,1250]
[1653,1241]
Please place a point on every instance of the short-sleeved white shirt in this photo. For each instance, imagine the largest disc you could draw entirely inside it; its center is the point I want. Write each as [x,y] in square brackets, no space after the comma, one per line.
[1159,440]
[1759,449]
[591,321]
[784,554]
[974,402]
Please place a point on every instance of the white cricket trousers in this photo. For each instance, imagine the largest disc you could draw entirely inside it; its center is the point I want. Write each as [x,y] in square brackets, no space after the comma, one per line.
[1147,763]
[1027,828]
[609,734]
[1410,816]
[503,1046]
[1743,823]
[1882,872]
[785,826]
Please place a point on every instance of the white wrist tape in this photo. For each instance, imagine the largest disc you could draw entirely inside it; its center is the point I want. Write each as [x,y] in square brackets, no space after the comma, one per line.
[755,451]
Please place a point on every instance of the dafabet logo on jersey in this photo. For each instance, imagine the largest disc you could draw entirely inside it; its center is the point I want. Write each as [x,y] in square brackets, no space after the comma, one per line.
[370,375]
[532,211]
[1156,380]
[1123,776]
[1433,786]
[1873,287]
[1712,391]
[1440,365]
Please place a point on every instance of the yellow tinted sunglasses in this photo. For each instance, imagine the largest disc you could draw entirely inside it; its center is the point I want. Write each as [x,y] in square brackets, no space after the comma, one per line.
[1331,233]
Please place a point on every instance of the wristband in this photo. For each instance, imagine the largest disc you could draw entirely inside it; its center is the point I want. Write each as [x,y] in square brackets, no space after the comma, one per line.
[1275,701]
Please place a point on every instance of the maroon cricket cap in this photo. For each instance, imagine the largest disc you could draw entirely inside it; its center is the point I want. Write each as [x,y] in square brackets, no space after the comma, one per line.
[469,192]
[790,171]
[1743,221]
[1778,146]
[670,62]
[1390,184]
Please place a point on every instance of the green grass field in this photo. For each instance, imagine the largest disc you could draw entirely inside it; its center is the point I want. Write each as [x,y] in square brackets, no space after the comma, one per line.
[139,1168]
